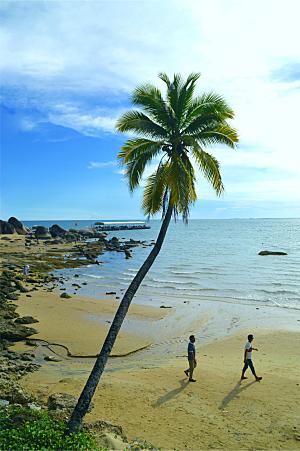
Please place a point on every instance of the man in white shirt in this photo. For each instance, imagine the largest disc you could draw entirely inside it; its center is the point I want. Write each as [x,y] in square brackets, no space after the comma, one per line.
[248,359]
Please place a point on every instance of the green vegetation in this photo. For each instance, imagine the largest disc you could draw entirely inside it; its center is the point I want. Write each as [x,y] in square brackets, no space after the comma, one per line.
[24,429]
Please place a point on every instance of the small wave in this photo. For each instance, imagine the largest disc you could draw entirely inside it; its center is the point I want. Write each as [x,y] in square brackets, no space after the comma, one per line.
[152,279]
[92,275]
[276,292]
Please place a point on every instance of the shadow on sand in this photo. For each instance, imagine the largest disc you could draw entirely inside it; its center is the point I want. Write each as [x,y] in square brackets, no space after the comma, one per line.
[171,394]
[234,393]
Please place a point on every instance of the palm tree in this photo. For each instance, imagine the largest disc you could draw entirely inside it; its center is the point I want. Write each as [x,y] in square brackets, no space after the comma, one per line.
[172,131]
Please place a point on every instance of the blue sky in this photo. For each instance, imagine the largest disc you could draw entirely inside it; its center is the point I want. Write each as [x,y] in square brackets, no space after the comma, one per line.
[67,70]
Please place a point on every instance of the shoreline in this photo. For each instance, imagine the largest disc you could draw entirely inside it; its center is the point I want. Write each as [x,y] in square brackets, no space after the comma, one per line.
[147,392]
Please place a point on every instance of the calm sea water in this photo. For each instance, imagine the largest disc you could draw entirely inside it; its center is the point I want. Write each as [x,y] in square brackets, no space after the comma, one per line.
[208,259]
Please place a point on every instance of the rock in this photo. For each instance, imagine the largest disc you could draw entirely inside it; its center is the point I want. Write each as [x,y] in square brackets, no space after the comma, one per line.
[11,331]
[30,343]
[26,320]
[65,296]
[34,406]
[111,292]
[21,287]
[42,233]
[6,228]
[63,401]
[51,358]
[272,253]
[127,254]
[57,231]
[165,306]
[101,425]
[4,402]
[18,226]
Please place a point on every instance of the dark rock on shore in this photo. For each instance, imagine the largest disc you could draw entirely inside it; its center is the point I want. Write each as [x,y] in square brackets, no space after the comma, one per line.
[18,226]
[42,233]
[272,253]
[65,296]
[6,228]
[12,331]
[57,231]
[26,320]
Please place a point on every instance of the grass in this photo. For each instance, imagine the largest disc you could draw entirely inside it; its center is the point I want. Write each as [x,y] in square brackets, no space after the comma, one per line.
[23,429]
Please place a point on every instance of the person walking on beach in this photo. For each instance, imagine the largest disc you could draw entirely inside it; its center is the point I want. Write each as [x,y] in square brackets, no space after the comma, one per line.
[191,359]
[248,359]
[26,270]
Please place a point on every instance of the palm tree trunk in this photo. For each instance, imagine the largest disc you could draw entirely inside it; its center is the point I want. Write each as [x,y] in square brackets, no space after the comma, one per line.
[93,380]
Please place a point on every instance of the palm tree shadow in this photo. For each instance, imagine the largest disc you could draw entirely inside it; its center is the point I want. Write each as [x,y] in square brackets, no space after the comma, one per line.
[171,394]
[234,393]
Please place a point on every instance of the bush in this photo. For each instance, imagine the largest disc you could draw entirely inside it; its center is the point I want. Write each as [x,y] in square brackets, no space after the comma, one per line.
[23,430]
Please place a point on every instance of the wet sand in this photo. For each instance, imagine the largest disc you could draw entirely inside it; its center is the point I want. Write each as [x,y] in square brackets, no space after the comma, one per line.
[147,392]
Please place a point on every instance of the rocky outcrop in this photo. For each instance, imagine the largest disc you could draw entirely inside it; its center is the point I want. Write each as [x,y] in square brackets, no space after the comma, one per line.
[6,228]
[63,401]
[42,233]
[11,331]
[19,227]
[272,253]
[26,320]
[57,231]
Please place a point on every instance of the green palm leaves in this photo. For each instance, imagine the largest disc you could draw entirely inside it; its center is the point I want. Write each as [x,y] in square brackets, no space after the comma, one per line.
[174,132]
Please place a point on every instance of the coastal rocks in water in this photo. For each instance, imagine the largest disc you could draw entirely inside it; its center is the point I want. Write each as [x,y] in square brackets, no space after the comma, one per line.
[65,296]
[18,226]
[57,231]
[6,228]
[127,254]
[272,253]
[42,233]
[26,320]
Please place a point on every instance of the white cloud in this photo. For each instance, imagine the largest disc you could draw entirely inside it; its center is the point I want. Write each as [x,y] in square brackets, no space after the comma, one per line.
[69,50]
[101,164]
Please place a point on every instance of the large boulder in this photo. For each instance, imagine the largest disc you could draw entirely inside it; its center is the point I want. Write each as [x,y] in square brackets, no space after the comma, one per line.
[6,228]
[57,231]
[19,227]
[42,233]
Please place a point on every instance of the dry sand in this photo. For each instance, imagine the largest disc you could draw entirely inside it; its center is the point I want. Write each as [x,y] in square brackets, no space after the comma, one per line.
[147,392]
[160,406]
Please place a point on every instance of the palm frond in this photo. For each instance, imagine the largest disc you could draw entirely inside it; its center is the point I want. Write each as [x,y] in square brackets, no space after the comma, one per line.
[150,99]
[210,168]
[208,104]
[136,154]
[135,147]
[219,134]
[155,190]
[140,123]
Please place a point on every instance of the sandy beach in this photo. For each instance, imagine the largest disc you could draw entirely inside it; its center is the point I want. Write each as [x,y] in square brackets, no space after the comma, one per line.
[147,392]
[144,388]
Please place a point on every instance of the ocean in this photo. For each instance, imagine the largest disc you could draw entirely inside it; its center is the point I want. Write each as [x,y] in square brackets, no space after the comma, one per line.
[206,259]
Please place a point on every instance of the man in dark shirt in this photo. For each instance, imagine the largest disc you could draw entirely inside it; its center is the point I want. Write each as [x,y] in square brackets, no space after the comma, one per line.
[191,358]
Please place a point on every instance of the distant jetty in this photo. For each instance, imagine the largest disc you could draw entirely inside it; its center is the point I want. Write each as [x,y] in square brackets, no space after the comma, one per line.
[118,225]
